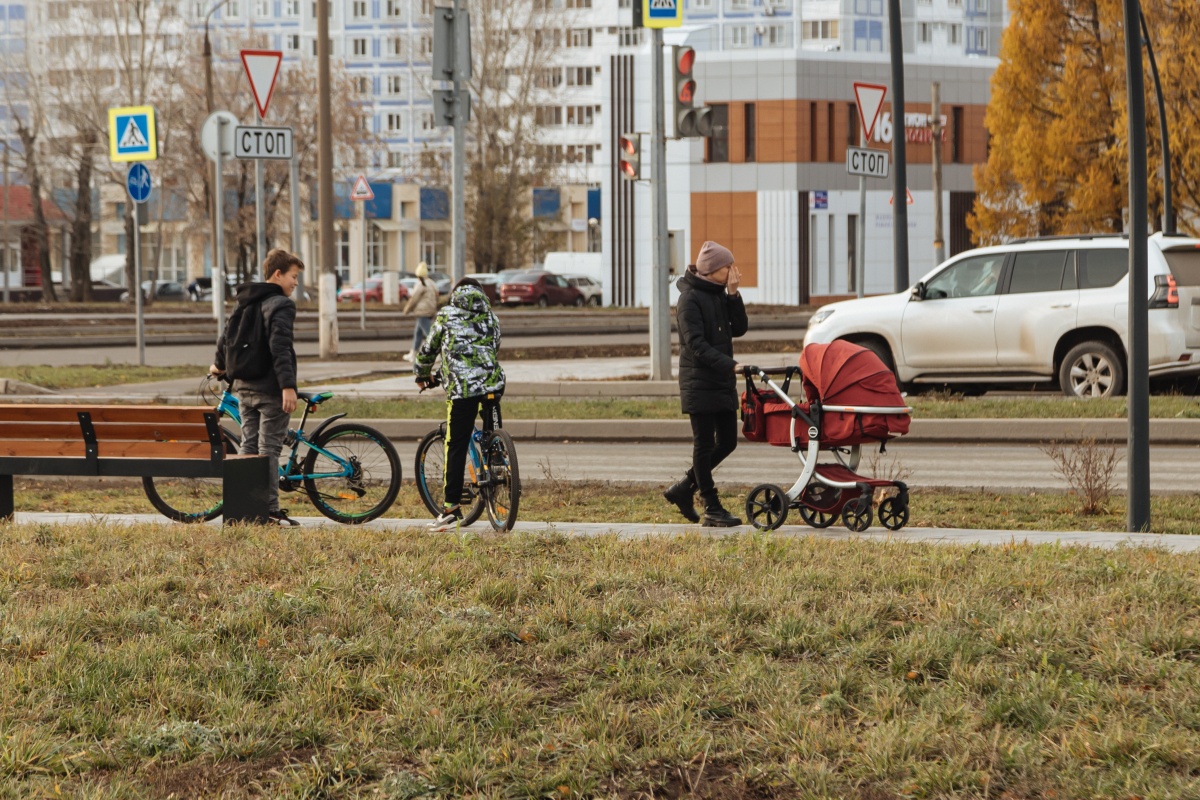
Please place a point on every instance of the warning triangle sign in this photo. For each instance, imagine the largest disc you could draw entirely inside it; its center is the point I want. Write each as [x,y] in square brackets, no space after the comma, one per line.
[361,190]
[262,68]
[908,201]
[869,97]
[132,137]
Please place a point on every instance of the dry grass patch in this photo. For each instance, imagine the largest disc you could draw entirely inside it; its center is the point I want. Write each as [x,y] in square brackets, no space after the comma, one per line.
[356,663]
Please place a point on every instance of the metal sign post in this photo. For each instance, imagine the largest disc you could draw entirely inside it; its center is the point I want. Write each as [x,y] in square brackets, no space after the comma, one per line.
[216,139]
[868,97]
[294,180]
[262,69]
[362,193]
[899,154]
[139,185]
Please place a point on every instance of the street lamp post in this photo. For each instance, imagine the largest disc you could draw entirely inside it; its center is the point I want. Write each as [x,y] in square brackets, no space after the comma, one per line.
[214,236]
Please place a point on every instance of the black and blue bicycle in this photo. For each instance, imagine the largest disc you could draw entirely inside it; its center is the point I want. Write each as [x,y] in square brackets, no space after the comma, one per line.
[350,472]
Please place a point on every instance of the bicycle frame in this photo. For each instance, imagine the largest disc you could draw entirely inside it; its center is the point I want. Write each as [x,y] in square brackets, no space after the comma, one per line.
[228,407]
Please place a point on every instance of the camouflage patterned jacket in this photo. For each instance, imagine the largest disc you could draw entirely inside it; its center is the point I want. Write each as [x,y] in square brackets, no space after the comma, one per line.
[466,334]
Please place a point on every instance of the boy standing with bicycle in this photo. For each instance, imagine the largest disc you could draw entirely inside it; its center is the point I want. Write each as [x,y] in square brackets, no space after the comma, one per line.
[257,348]
[466,334]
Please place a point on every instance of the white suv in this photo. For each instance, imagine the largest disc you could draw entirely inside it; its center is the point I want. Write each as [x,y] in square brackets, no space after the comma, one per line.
[1036,310]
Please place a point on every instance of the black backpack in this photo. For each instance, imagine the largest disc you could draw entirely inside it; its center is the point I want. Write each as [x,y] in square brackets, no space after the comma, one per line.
[247,355]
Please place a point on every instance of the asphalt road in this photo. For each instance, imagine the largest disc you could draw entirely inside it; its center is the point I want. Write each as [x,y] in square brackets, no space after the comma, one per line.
[994,467]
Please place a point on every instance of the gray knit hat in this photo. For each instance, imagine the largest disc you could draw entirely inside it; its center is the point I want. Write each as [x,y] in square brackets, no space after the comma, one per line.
[712,257]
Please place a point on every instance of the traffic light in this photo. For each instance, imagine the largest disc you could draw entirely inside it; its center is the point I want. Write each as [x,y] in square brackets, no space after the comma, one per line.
[629,155]
[689,120]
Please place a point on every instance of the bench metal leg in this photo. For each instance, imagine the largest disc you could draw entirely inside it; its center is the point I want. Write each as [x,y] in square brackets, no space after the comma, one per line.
[247,488]
[6,498]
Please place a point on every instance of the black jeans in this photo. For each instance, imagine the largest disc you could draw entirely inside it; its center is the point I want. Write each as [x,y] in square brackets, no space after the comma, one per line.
[460,424]
[714,437]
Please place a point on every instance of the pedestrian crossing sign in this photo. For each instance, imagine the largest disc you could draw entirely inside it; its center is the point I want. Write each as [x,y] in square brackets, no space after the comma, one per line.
[131,134]
[662,13]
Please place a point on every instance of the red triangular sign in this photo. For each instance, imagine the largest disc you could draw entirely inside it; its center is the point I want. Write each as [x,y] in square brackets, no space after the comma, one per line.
[909,201]
[869,98]
[262,68]
[361,190]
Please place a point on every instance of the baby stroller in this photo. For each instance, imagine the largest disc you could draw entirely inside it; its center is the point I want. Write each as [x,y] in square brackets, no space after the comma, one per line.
[850,398]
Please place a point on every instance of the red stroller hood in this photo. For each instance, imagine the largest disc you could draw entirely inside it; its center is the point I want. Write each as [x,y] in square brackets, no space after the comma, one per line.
[845,374]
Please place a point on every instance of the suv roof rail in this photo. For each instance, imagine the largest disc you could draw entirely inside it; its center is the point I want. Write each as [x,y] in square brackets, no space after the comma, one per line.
[1070,236]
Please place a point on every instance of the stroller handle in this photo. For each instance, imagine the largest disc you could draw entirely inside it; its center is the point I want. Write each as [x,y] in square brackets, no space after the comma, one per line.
[750,371]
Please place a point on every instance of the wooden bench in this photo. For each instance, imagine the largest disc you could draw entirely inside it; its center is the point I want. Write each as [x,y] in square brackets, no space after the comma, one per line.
[109,441]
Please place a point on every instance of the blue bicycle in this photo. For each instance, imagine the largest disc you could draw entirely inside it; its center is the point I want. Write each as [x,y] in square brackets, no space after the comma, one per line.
[350,472]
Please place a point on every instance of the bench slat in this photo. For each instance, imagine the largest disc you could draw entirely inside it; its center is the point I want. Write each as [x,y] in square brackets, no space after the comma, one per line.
[149,450]
[141,431]
[36,412]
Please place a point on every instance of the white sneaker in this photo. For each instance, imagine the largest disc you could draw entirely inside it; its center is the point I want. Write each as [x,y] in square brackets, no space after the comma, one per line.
[447,521]
[408,356]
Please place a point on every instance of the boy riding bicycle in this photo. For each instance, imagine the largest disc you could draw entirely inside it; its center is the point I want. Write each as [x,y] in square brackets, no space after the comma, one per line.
[466,334]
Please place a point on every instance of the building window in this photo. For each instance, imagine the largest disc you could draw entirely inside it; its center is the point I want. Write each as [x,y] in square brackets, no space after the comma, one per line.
[395,122]
[359,9]
[232,10]
[580,37]
[262,9]
[705,6]
[395,46]
[954,34]
[427,123]
[737,6]
[360,48]
[376,247]
[199,9]
[718,144]
[397,85]
[435,248]
[820,29]
[427,8]
[979,40]
[739,35]
[291,8]
[750,132]
[924,32]
[395,8]
[871,8]
[956,135]
[362,84]
[579,76]
[395,160]
[291,42]
[426,46]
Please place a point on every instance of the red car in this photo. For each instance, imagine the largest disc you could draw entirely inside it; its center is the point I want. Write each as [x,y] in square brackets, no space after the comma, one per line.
[541,288]
[374,291]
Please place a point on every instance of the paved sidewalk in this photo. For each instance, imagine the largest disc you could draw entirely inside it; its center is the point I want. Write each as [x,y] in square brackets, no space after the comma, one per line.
[1174,543]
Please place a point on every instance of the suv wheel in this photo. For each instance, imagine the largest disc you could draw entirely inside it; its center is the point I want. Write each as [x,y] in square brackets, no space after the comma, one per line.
[1091,369]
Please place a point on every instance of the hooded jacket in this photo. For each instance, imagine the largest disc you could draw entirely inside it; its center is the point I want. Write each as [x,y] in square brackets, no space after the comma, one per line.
[279,316]
[708,320]
[467,336]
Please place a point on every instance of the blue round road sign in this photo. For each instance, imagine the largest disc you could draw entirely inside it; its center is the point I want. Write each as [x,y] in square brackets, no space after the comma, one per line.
[138,183]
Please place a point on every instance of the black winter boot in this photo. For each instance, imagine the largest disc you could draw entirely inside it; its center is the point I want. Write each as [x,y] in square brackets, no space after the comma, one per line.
[681,495]
[715,515]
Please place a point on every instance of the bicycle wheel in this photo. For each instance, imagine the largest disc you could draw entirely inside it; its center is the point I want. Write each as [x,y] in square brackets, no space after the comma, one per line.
[373,481]
[190,499]
[429,471]
[503,490]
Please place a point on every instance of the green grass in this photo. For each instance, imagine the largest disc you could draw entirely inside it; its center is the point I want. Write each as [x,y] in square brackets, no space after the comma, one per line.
[86,376]
[160,661]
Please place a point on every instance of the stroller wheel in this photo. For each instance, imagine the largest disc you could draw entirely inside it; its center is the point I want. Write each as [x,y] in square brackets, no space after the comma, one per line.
[856,515]
[767,506]
[819,505]
[893,514]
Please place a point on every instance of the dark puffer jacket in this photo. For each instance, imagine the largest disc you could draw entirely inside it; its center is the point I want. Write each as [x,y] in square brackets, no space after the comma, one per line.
[279,313]
[708,320]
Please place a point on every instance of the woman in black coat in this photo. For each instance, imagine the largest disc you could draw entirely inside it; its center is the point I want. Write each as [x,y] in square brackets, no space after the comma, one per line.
[710,315]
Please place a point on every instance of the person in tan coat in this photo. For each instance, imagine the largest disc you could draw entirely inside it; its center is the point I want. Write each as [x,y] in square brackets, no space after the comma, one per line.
[423,304]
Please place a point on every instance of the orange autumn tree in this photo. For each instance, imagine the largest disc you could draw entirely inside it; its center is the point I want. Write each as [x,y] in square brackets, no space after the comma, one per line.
[1057,121]
[1175,32]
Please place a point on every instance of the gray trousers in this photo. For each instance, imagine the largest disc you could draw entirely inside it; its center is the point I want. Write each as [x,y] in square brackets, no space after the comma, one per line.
[264,427]
[421,326]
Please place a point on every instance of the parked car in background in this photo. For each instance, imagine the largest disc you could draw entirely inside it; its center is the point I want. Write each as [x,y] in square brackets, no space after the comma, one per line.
[490,283]
[163,291]
[1050,309]
[374,291]
[443,281]
[593,291]
[541,288]
[200,289]
[102,291]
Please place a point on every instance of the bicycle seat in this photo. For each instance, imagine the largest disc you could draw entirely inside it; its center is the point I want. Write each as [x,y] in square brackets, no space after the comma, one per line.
[314,399]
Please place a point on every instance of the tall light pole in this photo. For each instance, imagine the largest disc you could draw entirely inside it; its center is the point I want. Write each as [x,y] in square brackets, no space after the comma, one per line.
[214,237]
[327,330]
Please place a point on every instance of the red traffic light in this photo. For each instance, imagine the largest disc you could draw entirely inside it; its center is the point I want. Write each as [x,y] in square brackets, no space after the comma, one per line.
[685,59]
[629,169]
[687,91]
[628,146]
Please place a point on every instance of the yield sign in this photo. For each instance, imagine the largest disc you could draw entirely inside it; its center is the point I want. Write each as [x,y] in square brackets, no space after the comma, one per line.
[869,97]
[262,68]
[361,190]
